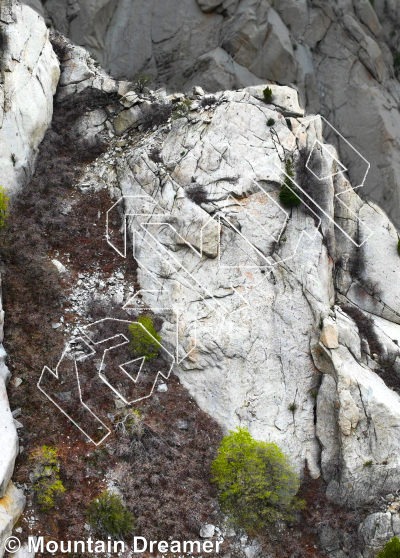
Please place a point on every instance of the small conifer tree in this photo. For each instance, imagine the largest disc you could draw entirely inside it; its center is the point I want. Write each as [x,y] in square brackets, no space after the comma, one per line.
[107,515]
[288,196]
[267,95]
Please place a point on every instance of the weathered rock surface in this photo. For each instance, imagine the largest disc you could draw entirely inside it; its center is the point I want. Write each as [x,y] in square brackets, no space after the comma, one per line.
[286,352]
[11,506]
[233,44]
[12,500]
[24,552]
[8,433]
[287,319]
[9,440]
[29,77]
[376,530]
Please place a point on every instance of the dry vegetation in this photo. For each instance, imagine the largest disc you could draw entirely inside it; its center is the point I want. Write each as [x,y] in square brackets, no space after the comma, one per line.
[174,464]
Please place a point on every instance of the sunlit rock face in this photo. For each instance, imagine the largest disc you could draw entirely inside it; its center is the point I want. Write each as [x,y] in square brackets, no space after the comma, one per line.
[319,47]
[29,77]
[265,300]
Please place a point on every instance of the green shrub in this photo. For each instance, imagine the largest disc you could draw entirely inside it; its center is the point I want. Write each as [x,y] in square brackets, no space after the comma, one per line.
[107,515]
[47,484]
[292,407]
[391,550]
[270,122]
[47,489]
[256,482]
[288,196]
[368,463]
[267,95]
[182,109]
[397,59]
[140,81]
[145,341]
[398,246]
[3,207]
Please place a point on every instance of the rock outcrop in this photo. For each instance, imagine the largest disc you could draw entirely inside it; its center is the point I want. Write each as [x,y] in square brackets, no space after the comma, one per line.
[11,506]
[29,77]
[319,46]
[287,320]
[270,275]
[12,499]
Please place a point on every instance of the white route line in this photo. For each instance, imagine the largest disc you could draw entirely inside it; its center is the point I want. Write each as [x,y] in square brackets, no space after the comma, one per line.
[46,369]
[89,342]
[278,164]
[87,328]
[155,309]
[177,266]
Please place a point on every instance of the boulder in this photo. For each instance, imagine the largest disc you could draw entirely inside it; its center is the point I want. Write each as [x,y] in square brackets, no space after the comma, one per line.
[357,400]
[75,68]
[12,505]
[9,438]
[127,119]
[231,155]
[207,531]
[89,126]
[285,98]
[376,530]
[330,335]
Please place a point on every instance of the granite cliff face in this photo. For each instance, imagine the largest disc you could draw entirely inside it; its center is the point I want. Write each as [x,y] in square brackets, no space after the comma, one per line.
[28,81]
[284,320]
[288,320]
[282,283]
[29,77]
[317,47]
